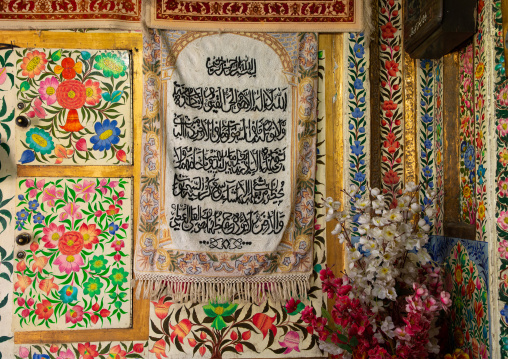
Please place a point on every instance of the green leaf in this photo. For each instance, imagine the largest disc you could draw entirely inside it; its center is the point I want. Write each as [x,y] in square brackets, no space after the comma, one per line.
[24,86]
[56,55]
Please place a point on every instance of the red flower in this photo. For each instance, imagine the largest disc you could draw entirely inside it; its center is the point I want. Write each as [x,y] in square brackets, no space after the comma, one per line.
[392,67]
[239,348]
[44,310]
[159,348]
[264,323]
[389,105]
[391,143]
[71,243]
[292,305]
[71,94]
[112,210]
[139,347]
[162,308]
[388,30]
[391,177]
[87,351]
[69,68]
[104,313]
[89,233]
[234,336]
[246,335]
[181,330]
[202,350]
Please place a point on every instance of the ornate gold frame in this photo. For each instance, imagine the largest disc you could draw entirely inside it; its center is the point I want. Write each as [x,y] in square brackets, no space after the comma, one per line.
[116,41]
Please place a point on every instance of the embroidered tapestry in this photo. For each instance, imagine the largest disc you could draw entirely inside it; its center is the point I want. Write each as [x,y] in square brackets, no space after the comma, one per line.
[249,15]
[71,14]
[227,202]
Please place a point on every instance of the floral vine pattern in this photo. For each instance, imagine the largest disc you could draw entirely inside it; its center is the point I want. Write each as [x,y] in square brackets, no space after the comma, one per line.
[466,136]
[426,131]
[392,165]
[76,271]
[480,122]
[7,185]
[358,128]
[465,264]
[501,108]
[438,122]
[102,350]
[79,106]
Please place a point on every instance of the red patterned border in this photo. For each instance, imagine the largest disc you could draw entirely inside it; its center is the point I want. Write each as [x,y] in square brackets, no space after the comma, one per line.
[70,10]
[324,11]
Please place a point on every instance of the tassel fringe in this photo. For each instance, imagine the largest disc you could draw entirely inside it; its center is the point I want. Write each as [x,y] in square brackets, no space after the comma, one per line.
[225,289]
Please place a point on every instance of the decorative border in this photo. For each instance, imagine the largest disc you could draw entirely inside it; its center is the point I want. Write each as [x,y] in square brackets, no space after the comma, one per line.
[391,99]
[466,137]
[438,122]
[426,131]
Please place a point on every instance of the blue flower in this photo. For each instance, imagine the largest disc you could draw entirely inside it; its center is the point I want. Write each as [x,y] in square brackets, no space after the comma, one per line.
[351,126]
[471,177]
[112,228]
[428,144]
[362,99]
[40,141]
[426,118]
[362,162]
[357,149]
[27,156]
[422,103]
[33,205]
[351,95]
[425,64]
[107,135]
[352,165]
[424,154]
[22,215]
[431,184]
[352,35]
[359,50]
[68,294]
[361,130]
[427,91]
[469,158]
[351,65]
[362,188]
[463,146]
[357,113]
[481,171]
[427,171]
[430,128]
[360,177]
[38,218]
[21,197]
[504,312]
[362,69]
[427,201]
[358,84]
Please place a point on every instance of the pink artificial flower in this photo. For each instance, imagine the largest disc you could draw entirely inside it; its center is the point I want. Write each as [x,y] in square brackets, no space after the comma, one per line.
[403,334]
[70,210]
[66,354]
[48,90]
[292,305]
[74,315]
[38,110]
[502,220]
[503,249]
[445,299]
[118,245]
[51,194]
[38,186]
[69,264]
[86,188]
[52,234]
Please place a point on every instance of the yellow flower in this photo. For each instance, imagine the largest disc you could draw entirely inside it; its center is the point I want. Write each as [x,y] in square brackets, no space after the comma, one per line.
[481,211]
[503,157]
[466,191]
[479,70]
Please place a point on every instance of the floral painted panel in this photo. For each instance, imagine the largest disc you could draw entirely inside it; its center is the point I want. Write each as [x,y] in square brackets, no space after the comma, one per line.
[102,350]
[76,271]
[466,278]
[467,135]
[79,106]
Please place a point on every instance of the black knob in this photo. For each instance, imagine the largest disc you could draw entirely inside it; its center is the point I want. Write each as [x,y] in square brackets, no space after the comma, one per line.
[21,105]
[21,255]
[23,238]
[22,121]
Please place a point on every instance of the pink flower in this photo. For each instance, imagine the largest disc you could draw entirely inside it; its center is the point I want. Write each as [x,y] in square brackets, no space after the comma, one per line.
[81,145]
[38,186]
[102,186]
[98,213]
[117,257]
[125,225]
[113,184]
[503,97]
[403,333]
[74,315]
[66,355]
[503,187]
[503,126]
[118,245]
[445,299]
[3,75]
[48,90]
[70,210]
[51,194]
[86,188]
[25,313]
[503,220]
[69,264]
[23,352]
[38,110]
[503,249]
[52,234]
[291,342]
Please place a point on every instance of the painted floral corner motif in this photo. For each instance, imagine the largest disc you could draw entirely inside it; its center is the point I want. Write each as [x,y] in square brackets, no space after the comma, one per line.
[78,104]
[102,350]
[76,271]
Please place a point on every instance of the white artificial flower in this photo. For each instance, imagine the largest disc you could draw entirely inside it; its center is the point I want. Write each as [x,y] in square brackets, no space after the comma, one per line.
[363,203]
[364,219]
[430,212]
[391,293]
[363,228]
[387,327]
[389,233]
[379,221]
[337,229]
[416,208]
[330,348]
[353,189]
[411,187]
[375,192]
[394,215]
